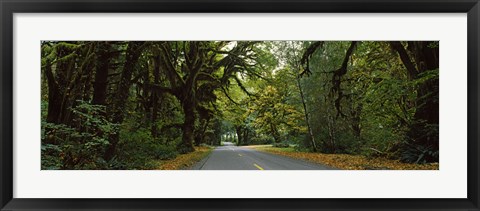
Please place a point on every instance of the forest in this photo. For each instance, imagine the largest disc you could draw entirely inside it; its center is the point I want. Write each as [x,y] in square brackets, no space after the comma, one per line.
[138,104]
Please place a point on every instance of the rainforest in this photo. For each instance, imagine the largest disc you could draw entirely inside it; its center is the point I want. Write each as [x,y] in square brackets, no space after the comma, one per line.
[239,105]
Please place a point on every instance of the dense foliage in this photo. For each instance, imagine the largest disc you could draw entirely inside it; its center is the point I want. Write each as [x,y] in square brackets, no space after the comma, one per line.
[124,105]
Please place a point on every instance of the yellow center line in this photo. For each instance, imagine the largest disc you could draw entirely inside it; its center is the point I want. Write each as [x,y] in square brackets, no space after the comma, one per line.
[259,167]
[240,155]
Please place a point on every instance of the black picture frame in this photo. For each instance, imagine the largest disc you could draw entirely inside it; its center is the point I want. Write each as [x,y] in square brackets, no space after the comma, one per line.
[9,7]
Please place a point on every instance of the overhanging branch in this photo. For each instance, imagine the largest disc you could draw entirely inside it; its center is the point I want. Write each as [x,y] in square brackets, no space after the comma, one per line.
[305,61]
[337,75]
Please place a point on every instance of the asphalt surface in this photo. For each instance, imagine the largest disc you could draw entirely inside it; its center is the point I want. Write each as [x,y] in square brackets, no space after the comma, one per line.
[231,157]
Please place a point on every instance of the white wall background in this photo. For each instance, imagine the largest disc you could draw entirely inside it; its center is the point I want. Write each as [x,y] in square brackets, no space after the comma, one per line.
[448,182]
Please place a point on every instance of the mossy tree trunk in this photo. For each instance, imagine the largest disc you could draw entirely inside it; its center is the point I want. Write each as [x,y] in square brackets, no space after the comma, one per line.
[117,107]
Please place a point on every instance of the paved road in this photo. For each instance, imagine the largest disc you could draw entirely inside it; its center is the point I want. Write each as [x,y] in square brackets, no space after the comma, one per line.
[231,157]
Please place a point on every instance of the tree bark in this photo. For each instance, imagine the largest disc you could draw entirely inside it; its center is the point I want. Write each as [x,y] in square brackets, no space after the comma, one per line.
[426,57]
[239,131]
[427,113]
[200,136]
[411,69]
[307,118]
[246,138]
[155,98]
[54,99]
[217,132]
[356,119]
[337,78]
[302,97]
[122,93]
[186,145]
[274,132]
[59,86]
[331,134]
[101,74]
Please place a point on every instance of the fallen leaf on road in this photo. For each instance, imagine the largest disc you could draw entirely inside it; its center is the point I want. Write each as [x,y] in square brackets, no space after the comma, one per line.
[185,160]
[350,162]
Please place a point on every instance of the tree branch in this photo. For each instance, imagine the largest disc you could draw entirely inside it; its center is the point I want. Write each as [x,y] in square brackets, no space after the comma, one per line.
[305,61]
[398,47]
[160,90]
[228,96]
[336,78]
[242,87]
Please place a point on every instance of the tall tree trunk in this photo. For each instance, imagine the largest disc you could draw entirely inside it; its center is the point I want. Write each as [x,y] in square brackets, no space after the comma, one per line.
[246,139]
[186,145]
[65,79]
[307,118]
[80,82]
[427,113]
[200,136]
[53,101]
[355,120]
[331,135]
[274,132]
[426,57]
[194,58]
[101,74]
[122,93]
[54,96]
[156,76]
[59,87]
[239,131]
[305,110]
[217,132]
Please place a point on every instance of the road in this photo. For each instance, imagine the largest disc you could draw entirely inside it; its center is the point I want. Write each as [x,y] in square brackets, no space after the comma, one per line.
[231,157]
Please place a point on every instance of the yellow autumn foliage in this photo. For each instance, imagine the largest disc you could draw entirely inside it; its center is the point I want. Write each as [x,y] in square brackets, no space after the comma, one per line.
[350,162]
[184,161]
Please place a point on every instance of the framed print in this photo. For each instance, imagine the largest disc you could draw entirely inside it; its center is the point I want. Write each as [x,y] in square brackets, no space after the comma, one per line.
[263,105]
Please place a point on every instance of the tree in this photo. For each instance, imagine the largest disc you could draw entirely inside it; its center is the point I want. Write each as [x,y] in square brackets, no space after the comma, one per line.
[116,109]
[125,104]
[273,116]
[194,67]
[423,134]
[294,62]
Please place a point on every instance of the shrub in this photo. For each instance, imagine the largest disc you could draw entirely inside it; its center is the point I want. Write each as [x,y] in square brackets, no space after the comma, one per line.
[136,148]
[418,154]
[80,145]
[163,152]
[281,145]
